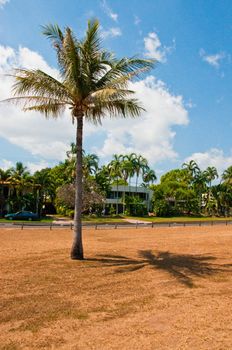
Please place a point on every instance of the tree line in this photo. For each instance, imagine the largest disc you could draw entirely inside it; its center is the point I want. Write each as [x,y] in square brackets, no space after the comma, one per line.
[52,190]
[190,191]
[184,191]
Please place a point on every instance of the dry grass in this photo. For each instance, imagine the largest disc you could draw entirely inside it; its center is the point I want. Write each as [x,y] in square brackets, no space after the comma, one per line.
[166,288]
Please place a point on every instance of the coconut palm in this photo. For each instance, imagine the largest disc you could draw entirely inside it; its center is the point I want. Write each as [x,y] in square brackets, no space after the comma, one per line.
[149,176]
[90,163]
[93,84]
[5,174]
[115,171]
[227,175]
[192,168]
[128,167]
[140,167]
[211,174]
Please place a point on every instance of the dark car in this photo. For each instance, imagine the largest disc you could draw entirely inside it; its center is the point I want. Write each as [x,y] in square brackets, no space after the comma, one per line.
[22,215]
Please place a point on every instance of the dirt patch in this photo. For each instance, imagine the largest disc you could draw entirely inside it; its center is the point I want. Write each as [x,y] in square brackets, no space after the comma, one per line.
[166,288]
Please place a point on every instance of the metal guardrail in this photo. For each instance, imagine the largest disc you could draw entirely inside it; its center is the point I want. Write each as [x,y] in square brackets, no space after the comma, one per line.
[120,225]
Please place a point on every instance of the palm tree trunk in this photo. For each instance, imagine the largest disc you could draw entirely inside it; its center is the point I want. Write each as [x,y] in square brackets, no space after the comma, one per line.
[77,247]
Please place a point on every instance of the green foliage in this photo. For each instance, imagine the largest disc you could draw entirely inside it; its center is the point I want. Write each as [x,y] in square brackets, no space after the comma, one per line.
[135,206]
[162,208]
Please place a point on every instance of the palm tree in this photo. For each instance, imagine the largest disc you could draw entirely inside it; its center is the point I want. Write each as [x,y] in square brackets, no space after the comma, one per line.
[20,171]
[5,174]
[227,175]
[192,168]
[128,167]
[140,167]
[21,182]
[93,84]
[115,171]
[149,176]
[90,163]
[211,174]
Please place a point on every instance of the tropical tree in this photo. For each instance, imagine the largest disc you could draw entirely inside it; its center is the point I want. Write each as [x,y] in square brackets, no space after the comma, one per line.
[5,174]
[192,168]
[149,176]
[140,168]
[93,84]
[44,186]
[227,175]
[128,167]
[90,163]
[115,171]
[210,175]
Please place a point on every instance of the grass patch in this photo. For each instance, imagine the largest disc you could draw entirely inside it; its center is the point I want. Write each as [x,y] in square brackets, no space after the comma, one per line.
[44,220]
[103,220]
[179,218]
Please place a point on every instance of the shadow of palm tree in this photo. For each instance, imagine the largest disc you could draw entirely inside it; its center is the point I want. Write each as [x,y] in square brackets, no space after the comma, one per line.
[184,267]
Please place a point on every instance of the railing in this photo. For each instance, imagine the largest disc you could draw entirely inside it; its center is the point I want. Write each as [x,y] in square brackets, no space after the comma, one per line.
[117,225]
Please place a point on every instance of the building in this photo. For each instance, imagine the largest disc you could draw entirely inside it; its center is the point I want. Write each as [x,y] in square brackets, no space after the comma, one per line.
[116,197]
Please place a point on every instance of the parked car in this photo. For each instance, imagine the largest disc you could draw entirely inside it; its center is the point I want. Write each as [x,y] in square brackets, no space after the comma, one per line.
[22,215]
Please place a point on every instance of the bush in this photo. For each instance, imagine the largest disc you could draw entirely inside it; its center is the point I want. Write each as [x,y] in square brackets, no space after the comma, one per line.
[162,208]
[135,206]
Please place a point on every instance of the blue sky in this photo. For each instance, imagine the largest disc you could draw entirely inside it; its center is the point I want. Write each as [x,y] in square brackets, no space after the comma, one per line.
[187,96]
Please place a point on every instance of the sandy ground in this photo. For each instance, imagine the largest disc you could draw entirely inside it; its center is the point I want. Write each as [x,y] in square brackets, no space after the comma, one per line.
[144,289]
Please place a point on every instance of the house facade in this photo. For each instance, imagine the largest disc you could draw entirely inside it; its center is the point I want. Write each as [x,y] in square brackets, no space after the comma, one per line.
[116,197]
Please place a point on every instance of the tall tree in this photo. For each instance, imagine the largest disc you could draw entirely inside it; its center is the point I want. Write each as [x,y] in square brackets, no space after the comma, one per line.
[227,175]
[149,176]
[210,175]
[115,171]
[140,167]
[93,84]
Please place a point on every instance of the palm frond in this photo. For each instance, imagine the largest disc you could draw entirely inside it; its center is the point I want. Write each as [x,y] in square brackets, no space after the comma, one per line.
[110,93]
[72,62]
[54,33]
[92,42]
[124,70]
[56,36]
[48,109]
[120,107]
[39,83]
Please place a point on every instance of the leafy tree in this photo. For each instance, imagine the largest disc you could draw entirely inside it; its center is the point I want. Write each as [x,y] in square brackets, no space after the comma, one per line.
[135,206]
[93,84]
[92,196]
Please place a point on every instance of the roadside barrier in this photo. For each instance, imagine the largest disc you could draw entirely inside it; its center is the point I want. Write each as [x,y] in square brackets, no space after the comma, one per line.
[97,226]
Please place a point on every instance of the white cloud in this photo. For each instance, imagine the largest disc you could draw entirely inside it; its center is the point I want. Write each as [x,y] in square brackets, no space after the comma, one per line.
[6,164]
[212,60]
[3,2]
[111,33]
[32,167]
[108,11]
[154,48]
[31,131]
[152,134]
[213,157]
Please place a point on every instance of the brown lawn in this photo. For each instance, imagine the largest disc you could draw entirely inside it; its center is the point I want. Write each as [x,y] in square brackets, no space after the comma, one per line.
[144,289]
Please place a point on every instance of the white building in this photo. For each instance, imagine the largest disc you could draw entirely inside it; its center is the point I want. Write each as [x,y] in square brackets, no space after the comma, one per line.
[116,197]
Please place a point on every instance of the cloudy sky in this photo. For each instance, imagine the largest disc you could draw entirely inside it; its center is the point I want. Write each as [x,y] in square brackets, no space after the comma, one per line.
[187,97]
